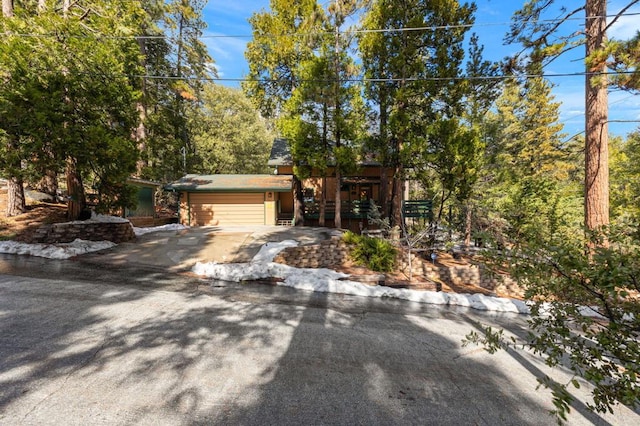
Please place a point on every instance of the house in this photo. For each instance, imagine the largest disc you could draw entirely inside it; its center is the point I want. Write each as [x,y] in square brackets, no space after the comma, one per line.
[268,199]
[230,200]
[358,190]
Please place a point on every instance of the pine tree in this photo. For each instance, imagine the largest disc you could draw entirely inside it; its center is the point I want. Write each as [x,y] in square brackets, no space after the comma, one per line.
[283,38]
[544,42]
[412,92]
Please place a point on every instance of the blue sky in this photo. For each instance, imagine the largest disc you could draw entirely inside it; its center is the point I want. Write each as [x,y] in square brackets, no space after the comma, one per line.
[229,18]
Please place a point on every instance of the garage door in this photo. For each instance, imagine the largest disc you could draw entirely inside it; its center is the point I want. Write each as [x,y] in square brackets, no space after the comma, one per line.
[227,209]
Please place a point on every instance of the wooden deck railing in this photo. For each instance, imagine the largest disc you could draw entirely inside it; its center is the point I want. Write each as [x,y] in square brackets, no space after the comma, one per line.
[348,209]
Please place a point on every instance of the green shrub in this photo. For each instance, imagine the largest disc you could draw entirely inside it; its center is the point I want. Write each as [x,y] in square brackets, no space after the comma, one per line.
[374,253]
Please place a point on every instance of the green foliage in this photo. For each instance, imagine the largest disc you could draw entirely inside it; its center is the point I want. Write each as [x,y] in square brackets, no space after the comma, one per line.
[375,253]
[626,60]
[412,93]
[66,93]
[280,44]
[70,91]
[375,218]
[585,313]
[530,187]
[228,133]
[624,162]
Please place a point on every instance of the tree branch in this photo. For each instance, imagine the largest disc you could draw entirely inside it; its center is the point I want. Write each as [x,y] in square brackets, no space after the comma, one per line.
[620,14]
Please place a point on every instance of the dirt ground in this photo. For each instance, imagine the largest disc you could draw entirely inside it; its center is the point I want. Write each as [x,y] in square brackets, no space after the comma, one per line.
[16,228]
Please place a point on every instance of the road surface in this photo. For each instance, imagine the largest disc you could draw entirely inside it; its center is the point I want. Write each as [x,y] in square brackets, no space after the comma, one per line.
[83,344]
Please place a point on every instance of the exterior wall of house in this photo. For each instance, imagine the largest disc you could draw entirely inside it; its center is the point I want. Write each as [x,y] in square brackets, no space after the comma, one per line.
[285,207]
[270,208]
[146,201]
[363,185]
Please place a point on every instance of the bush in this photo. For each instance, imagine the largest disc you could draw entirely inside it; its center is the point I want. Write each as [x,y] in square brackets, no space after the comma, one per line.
[374,253]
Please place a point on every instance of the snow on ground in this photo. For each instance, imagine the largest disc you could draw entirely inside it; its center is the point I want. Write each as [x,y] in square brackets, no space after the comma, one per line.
[101,218]
[170,227]
[77,247]
[263,267]
[328,281]
[54,251]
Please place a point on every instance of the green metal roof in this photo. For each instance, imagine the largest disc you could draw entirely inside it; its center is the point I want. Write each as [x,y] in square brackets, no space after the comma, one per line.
[232,183]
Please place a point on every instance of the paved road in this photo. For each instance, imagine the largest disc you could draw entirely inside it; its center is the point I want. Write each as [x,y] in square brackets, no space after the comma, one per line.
[135,346]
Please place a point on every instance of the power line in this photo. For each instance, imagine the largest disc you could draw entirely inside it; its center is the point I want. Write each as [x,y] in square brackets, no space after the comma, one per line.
[315,33]
[371,80]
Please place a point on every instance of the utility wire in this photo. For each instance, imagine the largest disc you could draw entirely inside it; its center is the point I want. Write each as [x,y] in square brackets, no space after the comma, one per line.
[571,117]
[376,80]
[317,33]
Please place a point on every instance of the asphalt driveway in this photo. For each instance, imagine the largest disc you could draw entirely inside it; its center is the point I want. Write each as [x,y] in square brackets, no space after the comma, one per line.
[178,251]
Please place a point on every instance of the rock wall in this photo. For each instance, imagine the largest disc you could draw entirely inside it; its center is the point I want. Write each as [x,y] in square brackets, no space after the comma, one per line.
[335,251]
[323,255]
[473,274]
[118,232]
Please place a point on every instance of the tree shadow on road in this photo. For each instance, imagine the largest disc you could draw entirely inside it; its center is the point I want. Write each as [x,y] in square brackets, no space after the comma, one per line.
[373,367]
[140,346]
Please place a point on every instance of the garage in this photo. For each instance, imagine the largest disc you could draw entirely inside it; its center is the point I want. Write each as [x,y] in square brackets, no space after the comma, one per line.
[227,209]
[230,200]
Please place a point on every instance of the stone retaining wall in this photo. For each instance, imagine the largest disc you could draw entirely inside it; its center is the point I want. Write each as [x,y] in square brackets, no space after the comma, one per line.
[117,232]
[335,251]
[322,255]
[474,274]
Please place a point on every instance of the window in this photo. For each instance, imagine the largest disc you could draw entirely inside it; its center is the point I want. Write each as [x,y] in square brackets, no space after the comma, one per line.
[308,194]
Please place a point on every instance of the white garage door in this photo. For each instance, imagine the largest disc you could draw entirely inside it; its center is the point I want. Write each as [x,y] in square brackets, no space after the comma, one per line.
[227,209]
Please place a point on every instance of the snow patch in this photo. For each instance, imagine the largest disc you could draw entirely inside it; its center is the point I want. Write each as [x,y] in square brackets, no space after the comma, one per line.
[269,251]
[169,227]
[54,251]
[328,281]
[101,218]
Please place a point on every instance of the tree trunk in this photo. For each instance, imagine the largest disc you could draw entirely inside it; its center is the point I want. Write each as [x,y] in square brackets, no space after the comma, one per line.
[16,204]
[468,225]
[140,134]
[7,8]
[396,196]
[49,183]
[338,217]
[596,200]
[384,173]
[325,149]
[298,202]
[75,191]
[323,202]
[15,190]
[384,192]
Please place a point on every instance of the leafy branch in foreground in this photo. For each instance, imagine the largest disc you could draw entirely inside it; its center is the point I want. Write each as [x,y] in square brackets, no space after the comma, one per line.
[585,315]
